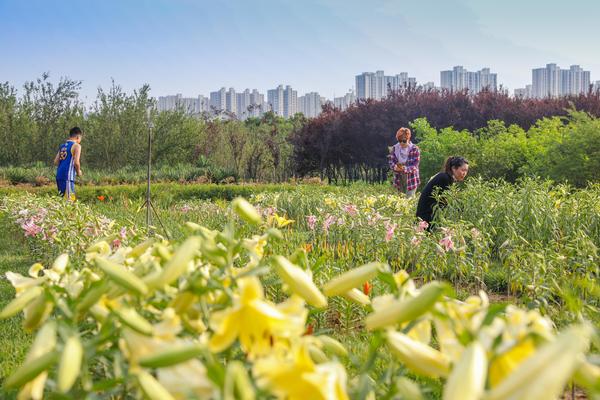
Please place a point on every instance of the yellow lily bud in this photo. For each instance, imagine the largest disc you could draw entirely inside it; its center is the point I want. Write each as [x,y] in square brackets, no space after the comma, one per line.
[351,279]
[19,303]
[36,313]
[60,264]
[192,226]
[588,376]
[100,247]
[70,364]
[246,211]
[163,252]
[358,297]
[417,356]
[140,248]
[122,276]
[92,296]
[397,312]
[316,354]
[183,301]
[151,387]
[132,319]
[171,357]
[237,383]
[332,345]
[178,264]
[299,282]
[408,389]
[30,370]
[467,380]
[534,379]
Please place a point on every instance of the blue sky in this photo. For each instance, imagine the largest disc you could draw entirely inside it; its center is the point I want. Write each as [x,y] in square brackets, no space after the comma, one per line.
[194,47]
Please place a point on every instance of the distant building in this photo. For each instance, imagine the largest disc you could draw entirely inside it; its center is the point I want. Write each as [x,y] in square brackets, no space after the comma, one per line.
[310,104]
[552,81]
[231,101]
[189,105]
[218,101]
[459,79]
[428,86]
[283,102]
[344,102]
[524,93]
[376,85]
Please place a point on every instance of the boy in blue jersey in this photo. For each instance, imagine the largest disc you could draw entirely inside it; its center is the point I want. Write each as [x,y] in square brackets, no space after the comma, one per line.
[68,166]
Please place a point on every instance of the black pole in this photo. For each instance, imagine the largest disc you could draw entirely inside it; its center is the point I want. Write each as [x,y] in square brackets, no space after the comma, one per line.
[148,211]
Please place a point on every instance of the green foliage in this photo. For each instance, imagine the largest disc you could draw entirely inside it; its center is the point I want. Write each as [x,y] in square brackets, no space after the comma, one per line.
[560,149]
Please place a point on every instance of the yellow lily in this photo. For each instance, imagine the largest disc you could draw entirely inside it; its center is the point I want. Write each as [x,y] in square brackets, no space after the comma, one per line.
[281,222]
[44,343]
[297,377]
[257,323]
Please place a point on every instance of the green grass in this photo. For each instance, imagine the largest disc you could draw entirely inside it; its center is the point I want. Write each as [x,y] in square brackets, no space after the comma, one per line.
[14,342]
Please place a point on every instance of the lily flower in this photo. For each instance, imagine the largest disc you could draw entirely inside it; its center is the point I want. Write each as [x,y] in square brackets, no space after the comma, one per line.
[297,377]
[258,324]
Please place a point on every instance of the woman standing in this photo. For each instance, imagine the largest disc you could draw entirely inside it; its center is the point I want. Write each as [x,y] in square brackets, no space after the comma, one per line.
[455,169]
[404,161]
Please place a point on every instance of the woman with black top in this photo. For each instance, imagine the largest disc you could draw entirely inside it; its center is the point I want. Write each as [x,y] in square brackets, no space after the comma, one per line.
[455,170]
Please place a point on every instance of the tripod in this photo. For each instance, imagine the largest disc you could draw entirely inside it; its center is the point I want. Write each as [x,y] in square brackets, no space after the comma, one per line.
[148,202]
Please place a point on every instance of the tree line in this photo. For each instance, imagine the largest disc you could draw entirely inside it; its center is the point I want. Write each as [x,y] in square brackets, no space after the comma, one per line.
[506,137]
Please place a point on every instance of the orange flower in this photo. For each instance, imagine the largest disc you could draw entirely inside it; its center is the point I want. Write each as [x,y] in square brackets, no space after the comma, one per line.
[367,288]
[308,247]
[309,330]
[101,197]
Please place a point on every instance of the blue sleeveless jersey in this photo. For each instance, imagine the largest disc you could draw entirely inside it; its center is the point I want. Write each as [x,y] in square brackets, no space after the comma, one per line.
[66,168]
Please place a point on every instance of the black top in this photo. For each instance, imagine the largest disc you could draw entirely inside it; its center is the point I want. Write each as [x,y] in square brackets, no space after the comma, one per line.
[439,182]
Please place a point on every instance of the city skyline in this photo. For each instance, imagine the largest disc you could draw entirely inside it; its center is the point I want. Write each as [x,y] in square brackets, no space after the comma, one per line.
[548,81]
[319,45]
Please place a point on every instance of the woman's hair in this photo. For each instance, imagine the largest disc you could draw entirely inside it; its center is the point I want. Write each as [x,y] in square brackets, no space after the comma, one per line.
[454,162]
[401,132]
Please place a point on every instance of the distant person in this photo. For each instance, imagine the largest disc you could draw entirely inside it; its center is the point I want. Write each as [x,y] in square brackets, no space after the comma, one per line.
[455,169]
[404,161]
[68,165]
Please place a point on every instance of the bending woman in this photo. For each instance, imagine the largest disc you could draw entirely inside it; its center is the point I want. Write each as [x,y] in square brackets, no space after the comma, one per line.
[455,170]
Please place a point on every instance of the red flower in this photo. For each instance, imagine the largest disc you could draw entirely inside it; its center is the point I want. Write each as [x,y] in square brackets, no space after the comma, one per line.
[309,330]
[101,197]
[367,288]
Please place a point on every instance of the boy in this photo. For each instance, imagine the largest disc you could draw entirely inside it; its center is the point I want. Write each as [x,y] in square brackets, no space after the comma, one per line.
[67,161]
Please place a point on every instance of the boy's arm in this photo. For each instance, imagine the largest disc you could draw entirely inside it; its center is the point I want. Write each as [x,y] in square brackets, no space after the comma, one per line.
[76,158]
[56,159]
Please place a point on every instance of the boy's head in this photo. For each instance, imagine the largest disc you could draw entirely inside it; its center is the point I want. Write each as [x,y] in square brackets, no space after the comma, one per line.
[75,134]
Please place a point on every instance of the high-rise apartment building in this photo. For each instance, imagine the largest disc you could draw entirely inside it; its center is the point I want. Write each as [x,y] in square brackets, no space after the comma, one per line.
[376,85]
[218,101]
[459,79]
[344,102]
[552,81]
[283,102]
[231,101]
[257,103]
[524,93]
[249,104]
[189,105]
[310,104]
[275,100]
